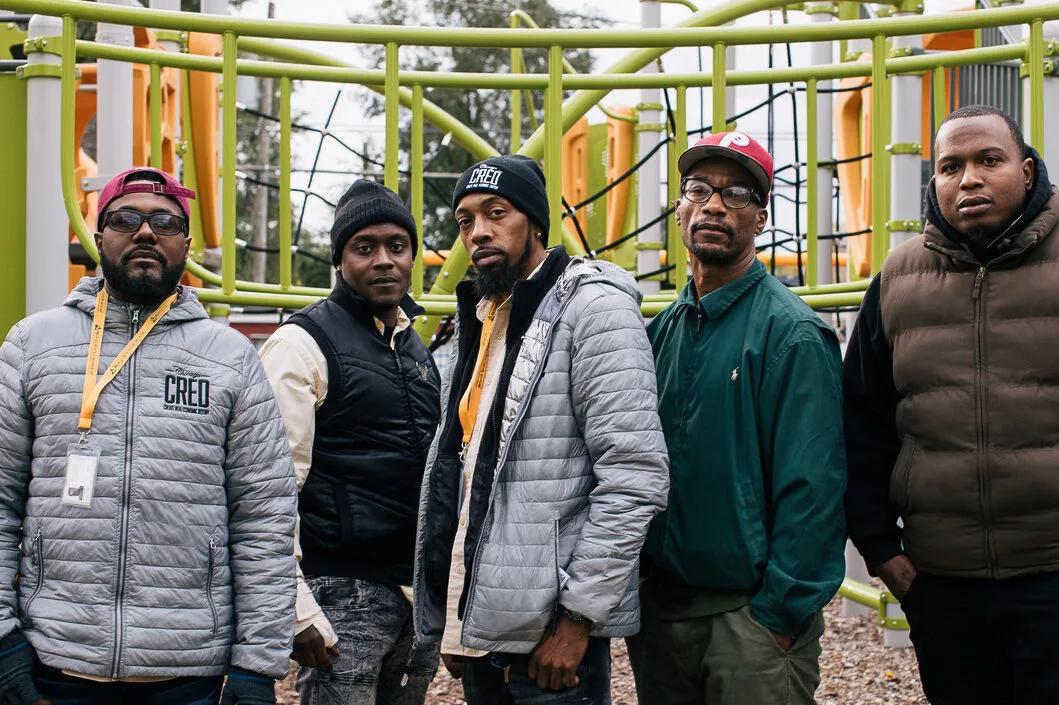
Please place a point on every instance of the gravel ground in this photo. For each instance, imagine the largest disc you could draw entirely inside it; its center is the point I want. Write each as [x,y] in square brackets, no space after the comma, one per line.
[856,669]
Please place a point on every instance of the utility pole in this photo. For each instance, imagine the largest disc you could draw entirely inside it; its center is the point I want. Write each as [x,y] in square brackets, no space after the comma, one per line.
[264,158]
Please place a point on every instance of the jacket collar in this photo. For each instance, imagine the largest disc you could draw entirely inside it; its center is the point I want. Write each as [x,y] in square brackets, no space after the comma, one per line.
[83,298]
[357,306]
[716,303]
[526,295]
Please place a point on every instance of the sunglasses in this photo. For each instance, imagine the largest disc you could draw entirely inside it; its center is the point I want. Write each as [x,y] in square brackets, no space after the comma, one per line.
[736,197]
[162,222]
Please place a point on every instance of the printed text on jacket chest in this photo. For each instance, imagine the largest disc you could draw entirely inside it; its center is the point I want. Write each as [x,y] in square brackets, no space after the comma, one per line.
[186,390]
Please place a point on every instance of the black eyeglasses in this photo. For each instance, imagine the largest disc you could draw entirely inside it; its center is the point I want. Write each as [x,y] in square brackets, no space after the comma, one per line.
[161,222]
[732,196]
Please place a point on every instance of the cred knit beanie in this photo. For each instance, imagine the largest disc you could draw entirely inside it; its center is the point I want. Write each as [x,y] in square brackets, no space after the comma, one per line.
[367,203]
[517,178]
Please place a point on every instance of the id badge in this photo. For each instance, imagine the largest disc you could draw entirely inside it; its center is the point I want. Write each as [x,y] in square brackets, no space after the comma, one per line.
[80,483]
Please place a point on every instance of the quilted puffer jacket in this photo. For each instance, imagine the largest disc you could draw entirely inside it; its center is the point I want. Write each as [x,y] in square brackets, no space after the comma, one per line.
[183,563]
[581,468]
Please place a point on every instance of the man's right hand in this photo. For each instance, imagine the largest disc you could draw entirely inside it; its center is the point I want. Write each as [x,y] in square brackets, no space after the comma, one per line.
[898,574]
[16,664]
[453,664]
[309,649]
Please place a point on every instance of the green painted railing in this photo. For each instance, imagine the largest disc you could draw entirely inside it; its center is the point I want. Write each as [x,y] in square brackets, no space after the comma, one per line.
[404,90]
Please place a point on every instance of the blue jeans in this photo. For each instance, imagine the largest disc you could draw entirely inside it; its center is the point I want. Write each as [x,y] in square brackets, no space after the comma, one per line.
[503,679]
[373,622]
[61,689]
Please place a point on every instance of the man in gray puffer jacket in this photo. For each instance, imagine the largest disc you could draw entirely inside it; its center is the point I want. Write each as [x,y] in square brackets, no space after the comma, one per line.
[147,496]
[549,462]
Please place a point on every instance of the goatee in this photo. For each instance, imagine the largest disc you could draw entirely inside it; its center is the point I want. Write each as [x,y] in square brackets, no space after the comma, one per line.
[141,288]
[495,281]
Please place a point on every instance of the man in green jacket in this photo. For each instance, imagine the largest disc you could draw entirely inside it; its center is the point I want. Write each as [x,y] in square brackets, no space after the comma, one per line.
[736,571]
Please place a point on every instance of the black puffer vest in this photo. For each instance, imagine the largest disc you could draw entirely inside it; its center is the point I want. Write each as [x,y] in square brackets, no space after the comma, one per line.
[358,506]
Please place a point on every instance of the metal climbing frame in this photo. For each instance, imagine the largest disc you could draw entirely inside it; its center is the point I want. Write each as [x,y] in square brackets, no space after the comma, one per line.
[405,89]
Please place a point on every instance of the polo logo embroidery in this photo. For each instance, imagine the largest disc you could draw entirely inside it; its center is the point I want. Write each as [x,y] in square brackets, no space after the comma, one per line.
[736,138]
[735,374]
[186,390]
[485,176]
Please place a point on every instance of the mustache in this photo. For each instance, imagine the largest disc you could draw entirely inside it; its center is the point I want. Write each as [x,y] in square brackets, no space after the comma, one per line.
[485,251]
[142,250]
[712,226]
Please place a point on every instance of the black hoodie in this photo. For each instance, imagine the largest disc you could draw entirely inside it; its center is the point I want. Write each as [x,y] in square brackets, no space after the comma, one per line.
[870,413]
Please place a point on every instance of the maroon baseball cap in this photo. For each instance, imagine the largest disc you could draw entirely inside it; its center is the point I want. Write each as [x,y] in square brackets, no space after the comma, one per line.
[133,181]
[737,146]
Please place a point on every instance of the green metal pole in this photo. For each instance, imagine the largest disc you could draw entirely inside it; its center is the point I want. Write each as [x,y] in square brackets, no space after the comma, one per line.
[156,116]
[940,104]
[880,243]
[198,244]
[553,122]
[1036,53]
[811,185]
[676,254]
[416,186]
[516,95]
[720,84]
[285,253]
[66,147]
[228,135]
[392,177]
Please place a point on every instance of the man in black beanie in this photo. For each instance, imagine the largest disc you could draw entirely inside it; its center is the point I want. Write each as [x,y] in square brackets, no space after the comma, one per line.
[549,462]
[358,391]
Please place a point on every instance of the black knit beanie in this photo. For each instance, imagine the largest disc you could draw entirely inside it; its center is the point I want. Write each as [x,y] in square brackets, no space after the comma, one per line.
[517,178]
[367,203]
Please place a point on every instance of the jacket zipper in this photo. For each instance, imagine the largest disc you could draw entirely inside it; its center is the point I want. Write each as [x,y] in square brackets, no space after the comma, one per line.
[979,401]
[38,558]
[126,494]
[209,586]
[515,422]
[410,417]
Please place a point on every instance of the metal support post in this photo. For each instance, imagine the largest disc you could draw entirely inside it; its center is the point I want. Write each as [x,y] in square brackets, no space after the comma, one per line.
[648,196]
[114,101]
[259,257]
[906,150]
[880,138]
[821,54]
[416,186]
[393,148]
[1040,86]
[175,47]
[47,234]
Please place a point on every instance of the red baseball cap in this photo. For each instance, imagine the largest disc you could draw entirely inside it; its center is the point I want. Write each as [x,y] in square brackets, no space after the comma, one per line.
[737,146]
[132,181]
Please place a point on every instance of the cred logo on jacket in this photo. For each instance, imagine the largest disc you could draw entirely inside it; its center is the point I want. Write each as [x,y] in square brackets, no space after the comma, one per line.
[186,391]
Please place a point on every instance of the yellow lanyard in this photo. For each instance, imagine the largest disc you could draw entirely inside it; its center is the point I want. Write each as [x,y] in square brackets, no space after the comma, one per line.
[471,398]
[93,388]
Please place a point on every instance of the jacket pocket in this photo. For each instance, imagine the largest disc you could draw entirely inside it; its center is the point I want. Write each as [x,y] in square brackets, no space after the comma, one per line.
[899,480]
[209,584]
[38,566]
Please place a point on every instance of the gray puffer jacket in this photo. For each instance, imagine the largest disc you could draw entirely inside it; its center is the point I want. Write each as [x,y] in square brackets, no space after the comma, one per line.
[183,563]
[580,470]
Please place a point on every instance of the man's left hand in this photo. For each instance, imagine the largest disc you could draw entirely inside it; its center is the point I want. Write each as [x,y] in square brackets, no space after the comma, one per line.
[783,640]
[553,664]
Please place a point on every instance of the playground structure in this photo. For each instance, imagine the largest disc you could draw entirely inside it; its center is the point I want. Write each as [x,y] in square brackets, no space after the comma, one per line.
[160,86]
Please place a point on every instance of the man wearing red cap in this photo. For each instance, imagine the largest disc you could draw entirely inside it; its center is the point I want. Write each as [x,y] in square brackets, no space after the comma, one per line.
[735,572]
[147,499]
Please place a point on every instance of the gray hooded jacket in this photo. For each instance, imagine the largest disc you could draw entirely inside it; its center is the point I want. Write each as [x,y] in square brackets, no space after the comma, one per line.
[581,470]
[183,563]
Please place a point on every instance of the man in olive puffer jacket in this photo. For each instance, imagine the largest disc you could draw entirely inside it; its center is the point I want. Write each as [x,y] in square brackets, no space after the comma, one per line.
[147,501]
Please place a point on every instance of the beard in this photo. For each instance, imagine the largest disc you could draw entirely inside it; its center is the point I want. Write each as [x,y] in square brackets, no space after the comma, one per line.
[714,253]
[141,287]
[500,278]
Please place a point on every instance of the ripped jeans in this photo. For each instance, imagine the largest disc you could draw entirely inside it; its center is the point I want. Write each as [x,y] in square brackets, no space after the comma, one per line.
[373,622]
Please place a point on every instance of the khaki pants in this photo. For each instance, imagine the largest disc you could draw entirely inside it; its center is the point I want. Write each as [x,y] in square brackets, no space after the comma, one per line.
[723,659]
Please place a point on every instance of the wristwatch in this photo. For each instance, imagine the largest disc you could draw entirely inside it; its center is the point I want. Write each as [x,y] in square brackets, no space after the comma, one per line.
[575,617]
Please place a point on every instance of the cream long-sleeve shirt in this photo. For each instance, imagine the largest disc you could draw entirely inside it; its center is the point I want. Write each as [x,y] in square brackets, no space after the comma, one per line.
[297,370]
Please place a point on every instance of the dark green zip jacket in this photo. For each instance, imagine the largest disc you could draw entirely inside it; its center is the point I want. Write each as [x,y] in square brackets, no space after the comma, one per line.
[750,397]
